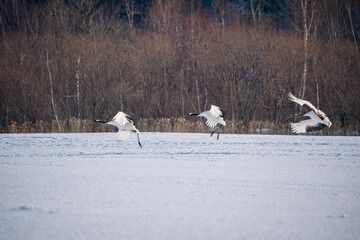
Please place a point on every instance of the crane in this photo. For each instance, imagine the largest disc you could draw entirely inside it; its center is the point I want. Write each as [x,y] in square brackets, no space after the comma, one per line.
[125,124]
[214,116]
[316,119]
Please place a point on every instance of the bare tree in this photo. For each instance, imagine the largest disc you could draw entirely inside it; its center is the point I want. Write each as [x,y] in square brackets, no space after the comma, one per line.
[86,10]
[256,10]
[52,91]
[130,13]
[348,4]
[307,25]
[77,77]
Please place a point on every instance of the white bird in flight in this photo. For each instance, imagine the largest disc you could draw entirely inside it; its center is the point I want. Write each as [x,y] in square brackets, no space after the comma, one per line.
[125,124]
[317,119]
[214,116]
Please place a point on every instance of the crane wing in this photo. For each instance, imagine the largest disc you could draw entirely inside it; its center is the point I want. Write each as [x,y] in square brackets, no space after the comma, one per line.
[313,117]
[299,127]
[123,135]
[302,102]
[120,119]
[211,124]
[312,124]
[215,111]
[317,127]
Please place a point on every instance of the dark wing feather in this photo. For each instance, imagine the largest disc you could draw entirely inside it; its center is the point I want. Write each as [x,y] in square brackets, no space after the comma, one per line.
[130,120]
[316,127]
[222,113]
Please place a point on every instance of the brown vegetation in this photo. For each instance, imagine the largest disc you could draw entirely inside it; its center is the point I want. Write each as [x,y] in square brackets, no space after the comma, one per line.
[65,63]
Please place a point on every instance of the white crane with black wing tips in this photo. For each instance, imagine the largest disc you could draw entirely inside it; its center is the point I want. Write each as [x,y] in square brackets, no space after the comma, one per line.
[125,124]
[214,116]
[317,119]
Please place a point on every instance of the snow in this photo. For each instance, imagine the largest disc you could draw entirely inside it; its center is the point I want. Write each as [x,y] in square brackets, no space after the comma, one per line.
[179,186]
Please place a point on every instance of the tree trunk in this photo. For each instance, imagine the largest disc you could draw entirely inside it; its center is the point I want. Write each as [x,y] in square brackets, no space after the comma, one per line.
[306,39]
[52,91]
[77,76]
[348,8]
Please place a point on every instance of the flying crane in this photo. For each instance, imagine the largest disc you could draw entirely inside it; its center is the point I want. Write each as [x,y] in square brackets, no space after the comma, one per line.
[214,116]
[125,124]
[316,119]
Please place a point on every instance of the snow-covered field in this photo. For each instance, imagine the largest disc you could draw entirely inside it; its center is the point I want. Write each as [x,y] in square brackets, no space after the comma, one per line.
[179,186]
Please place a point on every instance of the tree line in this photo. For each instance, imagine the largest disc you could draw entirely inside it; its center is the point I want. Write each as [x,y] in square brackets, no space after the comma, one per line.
[77,60]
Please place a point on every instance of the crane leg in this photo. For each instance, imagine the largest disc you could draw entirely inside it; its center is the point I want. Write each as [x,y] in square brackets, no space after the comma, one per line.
[139,140]
[215,131]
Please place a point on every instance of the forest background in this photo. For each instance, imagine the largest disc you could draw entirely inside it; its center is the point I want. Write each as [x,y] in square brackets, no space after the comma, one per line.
[67,62]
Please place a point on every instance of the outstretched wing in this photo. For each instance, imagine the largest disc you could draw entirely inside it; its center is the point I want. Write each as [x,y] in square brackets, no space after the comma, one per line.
[215,111]
[123,135]
[313,117]
[314,123]
[119,120]
[214,116]
[302,102]
[123,122]
[211,124]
